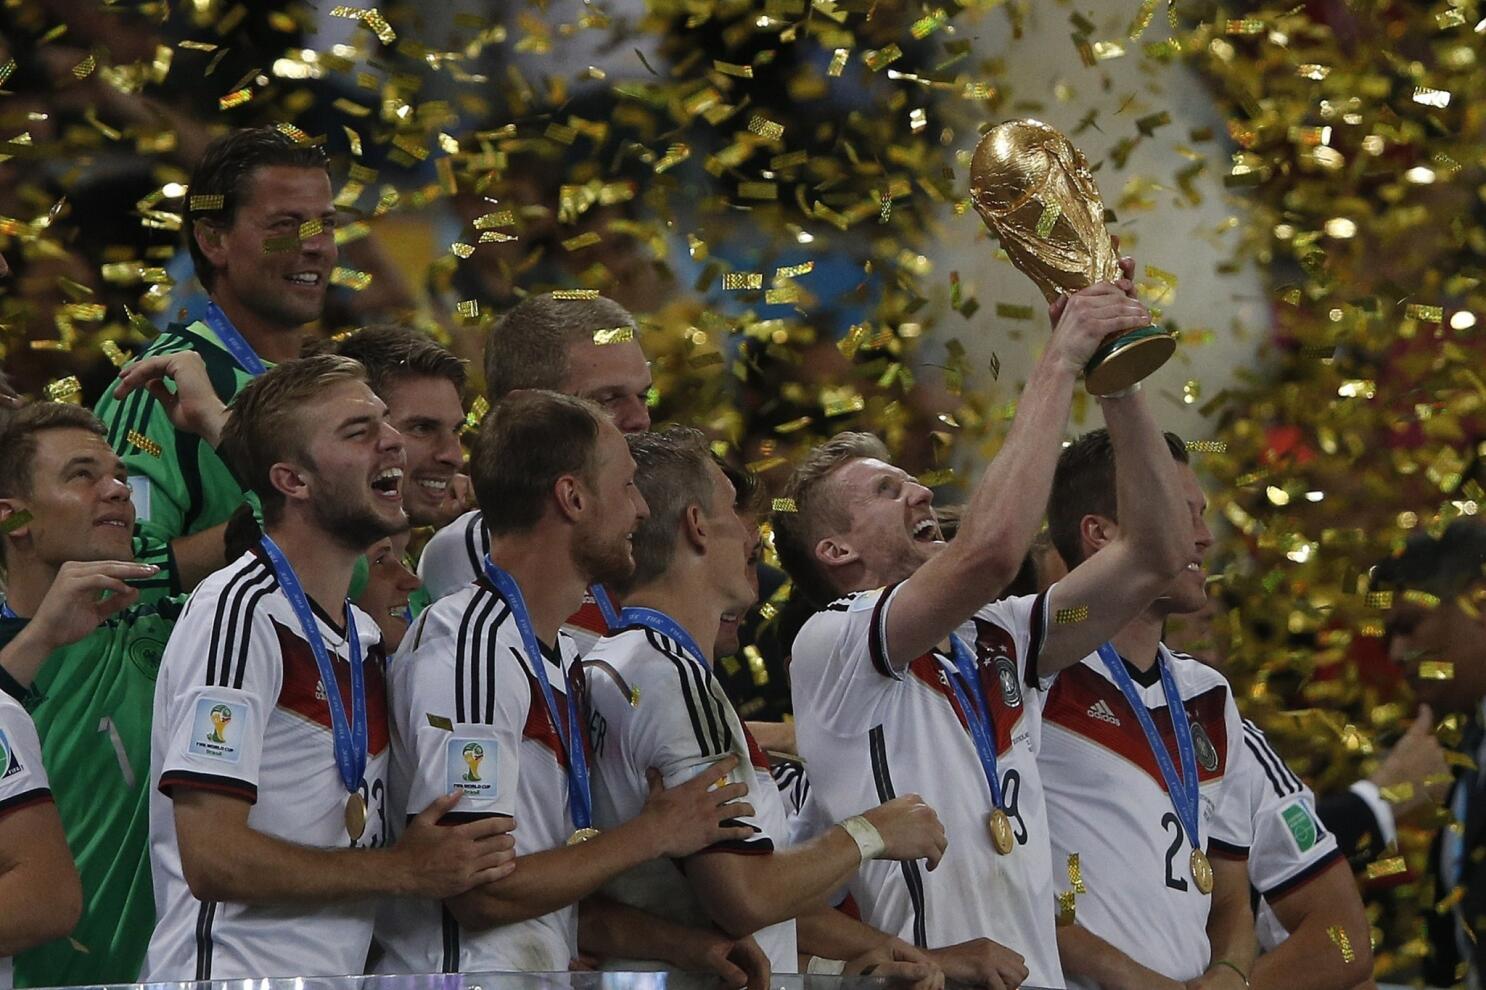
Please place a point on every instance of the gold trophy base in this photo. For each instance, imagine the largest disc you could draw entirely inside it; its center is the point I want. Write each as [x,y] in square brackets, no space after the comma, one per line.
[1122,361]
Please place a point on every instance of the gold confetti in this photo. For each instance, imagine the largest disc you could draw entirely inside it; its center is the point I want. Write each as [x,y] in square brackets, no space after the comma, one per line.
[784,505]
[1050,214]
[1207,446]
[311,228]
[1392,866]
[732,69]
[67,389]
[1071,615]
[1378,599]
[1427,314]
[350,278]
[292,133]
[614,335]
[575,294]
[634,697]
[765,128]
[114,353]
[584,240]
[734,281]
[795,271]
[15,521]
[7,70]
[278,245]
[236,98]
[882,57]
[933,479]
[143,442]
[1009,312]
[1425,96]
[766,464]
[84,69]
[1338,936]
[468,309]
[461,250]
[758,190]
[1436,670]
[441,722]
[1066,908]
[838,62]
[1076,874]
[1398,793]
[207,202]
[1421,598]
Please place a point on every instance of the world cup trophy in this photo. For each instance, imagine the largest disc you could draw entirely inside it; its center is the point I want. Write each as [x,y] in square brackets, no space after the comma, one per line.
[1034,191]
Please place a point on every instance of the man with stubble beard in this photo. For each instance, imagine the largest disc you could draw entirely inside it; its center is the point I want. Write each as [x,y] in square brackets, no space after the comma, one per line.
[487,692]
[268,830]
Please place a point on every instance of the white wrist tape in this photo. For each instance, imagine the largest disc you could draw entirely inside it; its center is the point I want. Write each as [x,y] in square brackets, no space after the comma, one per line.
[865,835]
[825,967]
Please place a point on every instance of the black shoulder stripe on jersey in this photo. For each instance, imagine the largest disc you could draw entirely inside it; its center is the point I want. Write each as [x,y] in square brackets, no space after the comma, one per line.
[1303,877]
[492,645]
[241,666]
[877,635]
[1035,640]
[710,746]
[474,542]
[225,621]
[713,707]
[1280,779]
[1255,733]
[470,628]
[205,915]
[883,778]
[451,941]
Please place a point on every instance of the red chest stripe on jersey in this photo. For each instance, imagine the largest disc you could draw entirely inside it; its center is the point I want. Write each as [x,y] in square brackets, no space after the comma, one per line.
[1080,690]
[539,727]
[931,671]
[756,754]
[590,618]
[300,693]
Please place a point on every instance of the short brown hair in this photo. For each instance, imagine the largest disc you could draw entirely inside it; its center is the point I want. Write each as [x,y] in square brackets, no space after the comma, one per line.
[1083,485]
[18,443]
[530,439]
[265,422]
[671,473]
[528,346]
[813,511]
[391,353]
[225,170]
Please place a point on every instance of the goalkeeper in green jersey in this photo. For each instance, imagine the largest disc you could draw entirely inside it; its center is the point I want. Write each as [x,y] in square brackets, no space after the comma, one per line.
[260,223]
[80,644]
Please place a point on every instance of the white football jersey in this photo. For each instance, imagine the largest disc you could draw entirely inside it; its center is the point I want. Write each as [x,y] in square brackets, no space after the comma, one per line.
[869,734]
[654,705]
[1290,845]
[1107,803]
[468,714]
[22,777]
[452,559]
[240,710]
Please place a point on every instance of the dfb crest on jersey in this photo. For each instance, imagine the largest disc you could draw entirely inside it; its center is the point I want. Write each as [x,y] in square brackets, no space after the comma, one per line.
[1207,753]
[1011,691]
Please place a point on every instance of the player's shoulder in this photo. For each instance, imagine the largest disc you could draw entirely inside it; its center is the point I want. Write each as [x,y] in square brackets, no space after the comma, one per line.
[243,582]
[458,545]
[1195,674]
[641,656]
[1009,612]
[469,608]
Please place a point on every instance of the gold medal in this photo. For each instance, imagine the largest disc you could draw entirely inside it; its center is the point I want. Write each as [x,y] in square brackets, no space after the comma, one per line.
[999,825]
[582,835]
[1202,871]
[355,816]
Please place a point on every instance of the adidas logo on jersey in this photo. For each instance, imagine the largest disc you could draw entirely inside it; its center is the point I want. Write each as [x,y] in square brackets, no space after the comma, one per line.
[1101,710]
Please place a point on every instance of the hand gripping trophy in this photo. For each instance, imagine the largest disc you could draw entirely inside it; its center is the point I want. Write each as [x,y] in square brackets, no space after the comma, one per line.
[1034,191]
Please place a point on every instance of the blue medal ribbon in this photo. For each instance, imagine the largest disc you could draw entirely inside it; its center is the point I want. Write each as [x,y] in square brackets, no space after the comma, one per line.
[350,735]
[606,607]
[650,618]
[6,612]
[1182,790]
[242,352]
[579,796]
[970,693]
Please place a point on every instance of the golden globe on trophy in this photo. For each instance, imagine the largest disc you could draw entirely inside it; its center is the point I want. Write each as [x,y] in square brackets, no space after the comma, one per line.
[1034,191]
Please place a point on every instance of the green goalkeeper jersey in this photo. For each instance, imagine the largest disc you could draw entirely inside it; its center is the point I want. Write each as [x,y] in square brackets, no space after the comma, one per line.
[179,485]
[92,703]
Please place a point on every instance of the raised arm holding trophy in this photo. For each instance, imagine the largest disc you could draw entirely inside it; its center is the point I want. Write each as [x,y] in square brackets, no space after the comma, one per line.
[1035,192]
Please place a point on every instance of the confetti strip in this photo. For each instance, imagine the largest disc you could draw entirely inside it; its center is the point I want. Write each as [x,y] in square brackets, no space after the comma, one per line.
[588,239]
[1421,598]
[1207,446]
[143,442]
[765,128]
[838,62]
[116,355]
[1071,615]
[16,521]
[350,278]
[67,389]
[614,335]
[1050,214]
[1390,867]
[292,133]
[1378,599]
[1076,874]
[933,479]
[1009,312]
[734,281]
[440,722]
[1436,670]
[784,505]
[576,294]
[206,202]
[1427,314]
[236,98]
[468,309]
[1338,936]
[1067,910]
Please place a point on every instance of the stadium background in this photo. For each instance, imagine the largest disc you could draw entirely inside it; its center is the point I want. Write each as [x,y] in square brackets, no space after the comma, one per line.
[779,188]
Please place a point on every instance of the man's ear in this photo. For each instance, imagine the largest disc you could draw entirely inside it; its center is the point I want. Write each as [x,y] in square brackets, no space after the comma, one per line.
[209,238]
[571,497]
[833,551]
[694,527]
[1096,533]
[15,518]
[289,480]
